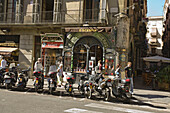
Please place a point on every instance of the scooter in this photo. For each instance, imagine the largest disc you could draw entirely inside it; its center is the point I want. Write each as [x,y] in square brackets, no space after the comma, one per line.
[10,78]
[23,78]
[52,81]
[2,71]
[38,80]
[69,84]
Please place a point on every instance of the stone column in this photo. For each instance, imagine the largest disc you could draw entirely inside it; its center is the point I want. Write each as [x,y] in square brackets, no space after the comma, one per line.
[36,11]
[18,15]
[57,11]
[9,13]
[26,51]
[102,15]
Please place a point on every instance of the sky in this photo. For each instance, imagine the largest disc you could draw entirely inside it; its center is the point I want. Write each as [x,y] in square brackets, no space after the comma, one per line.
[155,7]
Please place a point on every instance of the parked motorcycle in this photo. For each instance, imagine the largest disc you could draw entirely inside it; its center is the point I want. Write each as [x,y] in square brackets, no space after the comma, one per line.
[10,77]
[121,87]
[69,84]
[81,84]
[89,86]
[38,80]
[2,71]
[52,81]
[23,78]
[103,86]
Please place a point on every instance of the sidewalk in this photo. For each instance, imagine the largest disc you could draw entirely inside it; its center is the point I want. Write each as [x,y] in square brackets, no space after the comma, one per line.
[153,96]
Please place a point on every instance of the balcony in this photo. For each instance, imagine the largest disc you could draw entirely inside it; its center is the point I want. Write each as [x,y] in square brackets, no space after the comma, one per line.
[50,17]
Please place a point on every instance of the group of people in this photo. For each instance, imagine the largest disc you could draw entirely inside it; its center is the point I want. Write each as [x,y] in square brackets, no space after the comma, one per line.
[38,66]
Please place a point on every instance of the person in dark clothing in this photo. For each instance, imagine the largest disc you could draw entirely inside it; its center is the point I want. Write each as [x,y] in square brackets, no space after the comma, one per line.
[129,74]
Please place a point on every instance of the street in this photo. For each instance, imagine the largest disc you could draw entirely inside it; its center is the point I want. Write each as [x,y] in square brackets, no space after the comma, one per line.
[28,101]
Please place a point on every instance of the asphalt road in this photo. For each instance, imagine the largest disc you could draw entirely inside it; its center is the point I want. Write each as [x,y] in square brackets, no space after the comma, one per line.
[28,101]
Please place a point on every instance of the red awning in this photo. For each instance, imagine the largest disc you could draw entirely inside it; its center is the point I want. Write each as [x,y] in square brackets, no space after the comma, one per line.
[52,45]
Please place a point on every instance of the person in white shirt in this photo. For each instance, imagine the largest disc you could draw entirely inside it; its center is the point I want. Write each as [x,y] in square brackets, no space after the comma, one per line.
[60,74]
[3,63]
[38,65]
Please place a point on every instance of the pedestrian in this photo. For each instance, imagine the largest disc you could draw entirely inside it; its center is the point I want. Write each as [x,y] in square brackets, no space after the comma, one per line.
[38,66]
[129,74]
[3,62]
[118,70]
[98,68]
[60,74]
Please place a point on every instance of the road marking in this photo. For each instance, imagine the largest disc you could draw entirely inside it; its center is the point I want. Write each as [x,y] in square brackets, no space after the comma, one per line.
[101,106]
[77,110]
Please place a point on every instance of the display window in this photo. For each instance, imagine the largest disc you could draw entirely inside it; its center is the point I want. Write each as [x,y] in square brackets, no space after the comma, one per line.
[109,64]
[67,61]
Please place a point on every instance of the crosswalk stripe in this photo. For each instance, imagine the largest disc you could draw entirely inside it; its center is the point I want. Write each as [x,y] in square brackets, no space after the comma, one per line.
[101,106]
[77,110]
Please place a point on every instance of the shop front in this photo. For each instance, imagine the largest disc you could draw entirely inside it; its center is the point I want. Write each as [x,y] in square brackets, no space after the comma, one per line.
[85,47]
[52,47]
[9,48]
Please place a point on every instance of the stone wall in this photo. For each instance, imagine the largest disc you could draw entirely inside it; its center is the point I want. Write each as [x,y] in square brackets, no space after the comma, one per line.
[26,51]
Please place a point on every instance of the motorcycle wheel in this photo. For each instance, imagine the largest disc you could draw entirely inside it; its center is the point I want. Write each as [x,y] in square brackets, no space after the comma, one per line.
[107,94]
[88,94]
[8,86]
[36,88]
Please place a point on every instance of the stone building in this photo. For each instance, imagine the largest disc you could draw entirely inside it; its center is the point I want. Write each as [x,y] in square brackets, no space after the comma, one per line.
[80,33]
[154,35]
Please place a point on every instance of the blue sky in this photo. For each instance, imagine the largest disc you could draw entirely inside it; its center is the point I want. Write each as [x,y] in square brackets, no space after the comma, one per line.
[155,7]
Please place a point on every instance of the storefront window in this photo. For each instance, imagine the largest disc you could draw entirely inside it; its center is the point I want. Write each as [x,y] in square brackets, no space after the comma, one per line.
[67,61]
[80,57]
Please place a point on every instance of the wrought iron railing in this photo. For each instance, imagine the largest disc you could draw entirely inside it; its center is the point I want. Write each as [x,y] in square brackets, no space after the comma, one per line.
[62,17]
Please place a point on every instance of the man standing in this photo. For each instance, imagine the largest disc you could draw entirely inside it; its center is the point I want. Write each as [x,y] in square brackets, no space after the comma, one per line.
[129,74]
[60,74]
[3,62]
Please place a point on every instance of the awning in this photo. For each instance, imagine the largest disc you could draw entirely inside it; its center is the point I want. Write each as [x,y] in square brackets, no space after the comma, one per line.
[7,50]
[157,59]
[52,45]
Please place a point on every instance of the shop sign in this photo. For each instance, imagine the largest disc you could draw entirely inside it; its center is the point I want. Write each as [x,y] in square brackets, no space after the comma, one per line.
[52,44]
[123,57]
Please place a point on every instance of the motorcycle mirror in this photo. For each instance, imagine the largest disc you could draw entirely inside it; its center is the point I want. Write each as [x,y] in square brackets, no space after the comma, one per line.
[17,64]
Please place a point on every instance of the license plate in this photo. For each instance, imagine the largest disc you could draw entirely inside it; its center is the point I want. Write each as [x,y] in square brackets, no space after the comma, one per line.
[20,80]
[91,87]
[69,90]
[36,82]
[7,81]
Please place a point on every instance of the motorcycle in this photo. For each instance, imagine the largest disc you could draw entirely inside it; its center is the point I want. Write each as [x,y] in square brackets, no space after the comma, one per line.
[10,78]
[2,71]
[81,84]
[120,87]
[69,84]
[103,87]
[89,86]
[23,78]
[38,80]
[52,81]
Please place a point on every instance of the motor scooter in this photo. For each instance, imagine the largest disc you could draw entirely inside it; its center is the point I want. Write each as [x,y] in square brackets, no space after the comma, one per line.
[2,71]
[10,77]
[81,85]
[23,78]
[38,80]
[69,85]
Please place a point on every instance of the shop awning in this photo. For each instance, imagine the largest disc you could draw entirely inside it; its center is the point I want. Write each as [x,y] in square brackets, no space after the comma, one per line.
[52,45]
[7,50]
